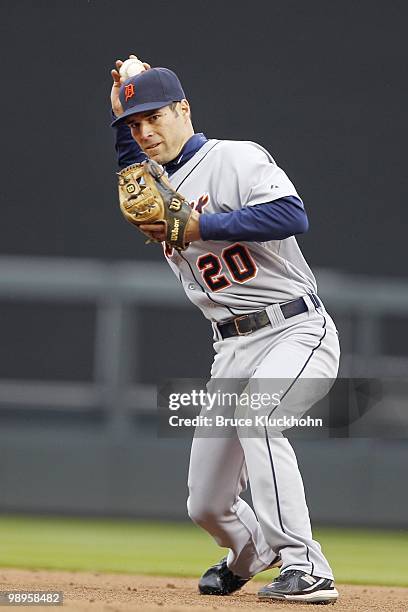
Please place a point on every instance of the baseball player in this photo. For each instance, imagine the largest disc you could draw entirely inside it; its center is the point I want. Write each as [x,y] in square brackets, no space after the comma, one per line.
[241,265]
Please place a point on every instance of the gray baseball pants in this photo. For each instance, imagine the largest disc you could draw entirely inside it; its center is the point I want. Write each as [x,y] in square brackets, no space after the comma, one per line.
[302,347]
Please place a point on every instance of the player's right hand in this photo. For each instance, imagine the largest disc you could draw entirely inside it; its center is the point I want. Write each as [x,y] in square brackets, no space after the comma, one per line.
[117,82]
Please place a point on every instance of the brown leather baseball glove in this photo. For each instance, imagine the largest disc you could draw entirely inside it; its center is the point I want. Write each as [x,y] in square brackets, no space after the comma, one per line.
[146,196]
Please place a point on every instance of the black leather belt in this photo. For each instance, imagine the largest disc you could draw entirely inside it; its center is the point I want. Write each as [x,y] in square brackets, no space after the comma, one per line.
[246,324]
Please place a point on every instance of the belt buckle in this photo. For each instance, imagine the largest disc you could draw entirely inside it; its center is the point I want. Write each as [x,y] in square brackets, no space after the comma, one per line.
[239,332]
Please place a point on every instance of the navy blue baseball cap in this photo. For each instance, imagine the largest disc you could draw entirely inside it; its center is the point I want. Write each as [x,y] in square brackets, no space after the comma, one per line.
[148,90]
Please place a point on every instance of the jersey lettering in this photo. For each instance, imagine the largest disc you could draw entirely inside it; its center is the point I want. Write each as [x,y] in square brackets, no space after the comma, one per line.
[168,249]
[239,262]
[211,266]
[201,202]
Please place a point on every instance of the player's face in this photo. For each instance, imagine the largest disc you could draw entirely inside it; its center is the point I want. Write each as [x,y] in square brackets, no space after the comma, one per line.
[162,133]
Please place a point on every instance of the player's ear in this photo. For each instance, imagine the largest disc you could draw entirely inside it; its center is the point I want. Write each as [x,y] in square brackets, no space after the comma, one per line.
[185,108]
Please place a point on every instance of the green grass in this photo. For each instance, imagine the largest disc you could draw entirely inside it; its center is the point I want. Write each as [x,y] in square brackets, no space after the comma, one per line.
[181,549]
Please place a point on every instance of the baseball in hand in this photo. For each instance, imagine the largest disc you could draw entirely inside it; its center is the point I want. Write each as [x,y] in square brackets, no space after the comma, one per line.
[130,68]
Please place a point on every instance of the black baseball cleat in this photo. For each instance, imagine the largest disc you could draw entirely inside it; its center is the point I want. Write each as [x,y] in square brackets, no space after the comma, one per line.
[296,585]
[220,580]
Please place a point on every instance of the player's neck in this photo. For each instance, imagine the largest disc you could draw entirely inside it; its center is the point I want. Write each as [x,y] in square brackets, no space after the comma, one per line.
[190,147]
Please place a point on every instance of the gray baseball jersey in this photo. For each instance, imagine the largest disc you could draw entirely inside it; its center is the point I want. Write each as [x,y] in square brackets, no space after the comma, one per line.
[223,278]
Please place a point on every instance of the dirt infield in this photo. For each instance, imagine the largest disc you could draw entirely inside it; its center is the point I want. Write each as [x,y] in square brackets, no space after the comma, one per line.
[117,592]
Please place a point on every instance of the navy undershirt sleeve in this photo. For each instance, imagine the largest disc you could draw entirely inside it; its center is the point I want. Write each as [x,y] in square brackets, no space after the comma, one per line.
[127,149]
[275,220]
[260,223]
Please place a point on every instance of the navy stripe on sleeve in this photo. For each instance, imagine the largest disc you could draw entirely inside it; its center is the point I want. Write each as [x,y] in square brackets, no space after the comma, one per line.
[275,220]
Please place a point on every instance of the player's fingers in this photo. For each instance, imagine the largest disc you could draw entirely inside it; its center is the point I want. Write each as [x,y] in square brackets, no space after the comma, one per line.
[116,76]
[146,65]
[155,235]
[154,232]
[118,64]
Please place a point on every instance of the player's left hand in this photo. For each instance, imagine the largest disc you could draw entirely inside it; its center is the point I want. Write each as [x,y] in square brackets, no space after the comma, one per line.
[157,231]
